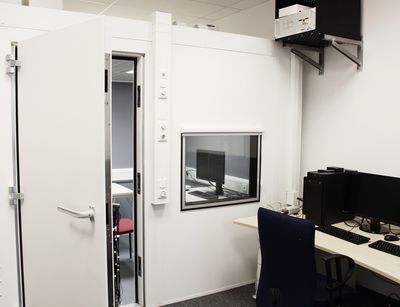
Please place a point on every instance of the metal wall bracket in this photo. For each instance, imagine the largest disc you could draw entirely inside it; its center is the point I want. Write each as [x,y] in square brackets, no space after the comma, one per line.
[334,41]
[14,196]
[13,64]
[320,65]
[358,60]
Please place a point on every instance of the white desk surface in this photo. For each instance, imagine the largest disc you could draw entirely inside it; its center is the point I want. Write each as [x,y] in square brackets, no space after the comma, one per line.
[118,190]
[193,198]
[379,262]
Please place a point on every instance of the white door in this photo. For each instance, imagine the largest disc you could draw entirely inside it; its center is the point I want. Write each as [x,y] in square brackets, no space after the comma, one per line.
[64,161]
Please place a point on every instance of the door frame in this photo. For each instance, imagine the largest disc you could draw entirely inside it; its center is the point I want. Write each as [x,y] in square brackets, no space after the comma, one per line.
[138,182]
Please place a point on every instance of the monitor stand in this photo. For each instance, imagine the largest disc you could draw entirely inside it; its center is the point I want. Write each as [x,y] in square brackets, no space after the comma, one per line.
[374,227]
[218,189]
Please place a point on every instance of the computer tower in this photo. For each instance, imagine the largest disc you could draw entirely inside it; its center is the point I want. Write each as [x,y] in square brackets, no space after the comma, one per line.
[325,196]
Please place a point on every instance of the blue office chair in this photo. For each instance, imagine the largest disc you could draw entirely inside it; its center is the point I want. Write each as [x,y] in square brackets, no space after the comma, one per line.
[288,274]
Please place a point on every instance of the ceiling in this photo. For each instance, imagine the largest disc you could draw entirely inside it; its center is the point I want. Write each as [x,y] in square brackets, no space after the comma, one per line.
[187,11]
[122,71]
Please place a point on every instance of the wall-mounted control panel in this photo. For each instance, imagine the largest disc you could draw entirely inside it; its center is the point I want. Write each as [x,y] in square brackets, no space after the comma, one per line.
[162,130]
[163,91]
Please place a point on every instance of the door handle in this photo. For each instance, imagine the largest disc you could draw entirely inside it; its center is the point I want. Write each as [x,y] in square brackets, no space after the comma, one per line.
[88,214]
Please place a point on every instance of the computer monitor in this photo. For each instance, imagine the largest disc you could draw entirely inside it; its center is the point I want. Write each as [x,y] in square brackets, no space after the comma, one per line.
[210,166]
[378,199]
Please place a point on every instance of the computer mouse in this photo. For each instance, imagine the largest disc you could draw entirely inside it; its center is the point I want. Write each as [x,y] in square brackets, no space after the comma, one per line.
[391,237]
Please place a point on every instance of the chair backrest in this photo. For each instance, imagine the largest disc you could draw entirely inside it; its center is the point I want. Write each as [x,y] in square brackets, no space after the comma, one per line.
[288,274]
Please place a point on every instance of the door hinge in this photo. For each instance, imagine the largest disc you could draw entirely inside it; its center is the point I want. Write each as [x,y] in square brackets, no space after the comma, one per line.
[12,64]
[14,196]
[140,266]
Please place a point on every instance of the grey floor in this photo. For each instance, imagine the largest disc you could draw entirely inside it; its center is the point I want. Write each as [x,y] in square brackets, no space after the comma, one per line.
[238,297]
[127,272]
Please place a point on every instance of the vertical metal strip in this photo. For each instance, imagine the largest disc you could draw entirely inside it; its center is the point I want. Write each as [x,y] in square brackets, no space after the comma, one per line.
[16,181]
[139,194]
[109,206]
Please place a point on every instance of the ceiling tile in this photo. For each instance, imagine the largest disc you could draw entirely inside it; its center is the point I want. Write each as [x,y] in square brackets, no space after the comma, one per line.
[148,5]
[220,2]
[221,13]
[186,19]
[246,4]
[121,69]
[131,12]
[203,21]
[189,7]
[83,6]
[98,1]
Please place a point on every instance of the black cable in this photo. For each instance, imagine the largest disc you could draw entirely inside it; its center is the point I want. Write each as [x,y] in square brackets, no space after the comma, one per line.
[356,223]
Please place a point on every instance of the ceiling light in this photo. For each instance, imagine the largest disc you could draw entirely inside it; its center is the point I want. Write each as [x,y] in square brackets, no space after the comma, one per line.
[129,72]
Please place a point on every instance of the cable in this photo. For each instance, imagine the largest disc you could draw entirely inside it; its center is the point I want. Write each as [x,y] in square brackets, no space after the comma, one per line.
[188,172]
[356,223]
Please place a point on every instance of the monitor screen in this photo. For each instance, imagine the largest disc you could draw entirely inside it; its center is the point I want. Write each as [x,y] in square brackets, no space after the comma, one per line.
[210,165]
[378,197]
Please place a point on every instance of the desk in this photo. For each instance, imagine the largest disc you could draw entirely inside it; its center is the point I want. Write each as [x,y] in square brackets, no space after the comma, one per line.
[118,190]
[376,261]
[229,195]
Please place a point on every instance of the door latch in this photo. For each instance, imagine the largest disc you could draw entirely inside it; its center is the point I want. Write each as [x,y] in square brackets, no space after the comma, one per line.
[14,196]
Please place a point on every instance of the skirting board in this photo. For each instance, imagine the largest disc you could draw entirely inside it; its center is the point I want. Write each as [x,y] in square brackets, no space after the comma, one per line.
[189,297]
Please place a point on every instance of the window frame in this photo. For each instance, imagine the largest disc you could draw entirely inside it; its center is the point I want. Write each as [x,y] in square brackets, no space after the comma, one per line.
[209,204]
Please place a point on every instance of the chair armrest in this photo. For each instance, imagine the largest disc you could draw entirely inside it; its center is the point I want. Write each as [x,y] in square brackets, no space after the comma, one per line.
[340,281]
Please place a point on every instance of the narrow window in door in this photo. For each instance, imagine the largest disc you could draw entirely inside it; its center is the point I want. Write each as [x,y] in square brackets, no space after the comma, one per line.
[123,170]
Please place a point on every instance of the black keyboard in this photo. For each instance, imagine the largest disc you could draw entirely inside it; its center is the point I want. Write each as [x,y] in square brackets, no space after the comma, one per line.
[204,195]
[343,234]
[386,247]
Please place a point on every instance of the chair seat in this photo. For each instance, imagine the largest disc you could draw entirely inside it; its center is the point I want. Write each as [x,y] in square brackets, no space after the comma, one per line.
[125,226]
[322,294]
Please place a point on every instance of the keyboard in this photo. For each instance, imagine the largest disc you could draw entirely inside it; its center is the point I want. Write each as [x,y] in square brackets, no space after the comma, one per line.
[386,247]
[204,195]
[343,234]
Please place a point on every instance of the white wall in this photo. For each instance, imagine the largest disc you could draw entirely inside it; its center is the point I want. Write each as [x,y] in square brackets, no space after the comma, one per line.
[219,81]
[256,21]
[351,119]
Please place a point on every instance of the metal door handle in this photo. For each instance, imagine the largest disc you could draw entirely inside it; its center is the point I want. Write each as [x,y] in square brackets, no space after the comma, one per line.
[88,214]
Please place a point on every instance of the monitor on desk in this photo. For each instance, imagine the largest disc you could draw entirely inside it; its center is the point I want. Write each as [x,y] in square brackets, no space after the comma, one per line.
[210,166]
[378,199]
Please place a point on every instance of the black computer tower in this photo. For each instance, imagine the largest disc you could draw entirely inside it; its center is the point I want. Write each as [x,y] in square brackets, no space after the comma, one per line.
[325,197]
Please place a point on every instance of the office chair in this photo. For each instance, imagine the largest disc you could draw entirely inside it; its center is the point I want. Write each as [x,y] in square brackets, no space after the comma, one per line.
[125,226]
[288,273]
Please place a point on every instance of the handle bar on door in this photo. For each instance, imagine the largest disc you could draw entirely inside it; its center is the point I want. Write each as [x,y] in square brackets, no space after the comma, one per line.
[88,214]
